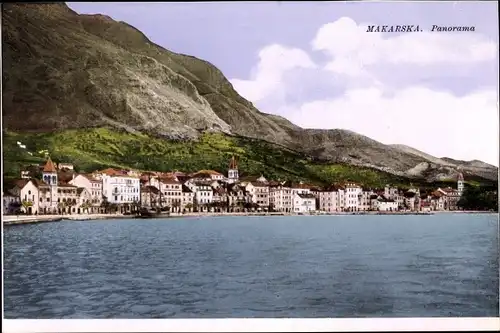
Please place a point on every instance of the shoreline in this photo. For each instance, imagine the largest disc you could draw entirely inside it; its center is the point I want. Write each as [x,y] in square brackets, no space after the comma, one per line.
[31,219]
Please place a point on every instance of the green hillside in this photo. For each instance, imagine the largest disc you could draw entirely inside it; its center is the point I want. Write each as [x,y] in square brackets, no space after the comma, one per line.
[97,148]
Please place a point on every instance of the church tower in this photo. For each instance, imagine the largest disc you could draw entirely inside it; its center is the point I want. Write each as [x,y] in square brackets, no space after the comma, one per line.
[49,176]
[232,173]
[49,173]
[460,183]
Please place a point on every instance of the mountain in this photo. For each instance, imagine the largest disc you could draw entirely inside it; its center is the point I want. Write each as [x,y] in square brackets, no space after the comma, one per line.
[439,168]
[64,71]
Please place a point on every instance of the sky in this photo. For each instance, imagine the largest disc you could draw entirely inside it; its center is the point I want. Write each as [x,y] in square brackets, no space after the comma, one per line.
[314,64]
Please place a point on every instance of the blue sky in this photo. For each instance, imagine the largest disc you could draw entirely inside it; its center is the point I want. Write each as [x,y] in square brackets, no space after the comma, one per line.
[314,64]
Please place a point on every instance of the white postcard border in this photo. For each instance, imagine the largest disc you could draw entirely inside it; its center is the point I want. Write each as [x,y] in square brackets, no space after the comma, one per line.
[251,325]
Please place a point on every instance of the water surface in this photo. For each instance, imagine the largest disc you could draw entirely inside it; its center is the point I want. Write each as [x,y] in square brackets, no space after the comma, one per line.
[216,267]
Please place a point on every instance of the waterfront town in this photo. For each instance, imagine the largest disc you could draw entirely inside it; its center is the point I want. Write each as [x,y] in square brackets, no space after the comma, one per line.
[55,188]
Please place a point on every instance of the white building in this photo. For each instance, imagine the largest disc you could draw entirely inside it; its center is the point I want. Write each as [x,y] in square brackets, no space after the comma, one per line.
[187,198]
[304,202]
[170,192]
[68,198]
[94,188]
[341,198]
[280,198]
[365,200]
[353,195]
[259,192]
[390,192]
[27,192]
[386,205]
[11,202]
[328,199]
[118,187]
[202,190]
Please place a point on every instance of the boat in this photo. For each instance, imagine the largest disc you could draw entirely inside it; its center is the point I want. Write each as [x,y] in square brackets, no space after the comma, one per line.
[145,213]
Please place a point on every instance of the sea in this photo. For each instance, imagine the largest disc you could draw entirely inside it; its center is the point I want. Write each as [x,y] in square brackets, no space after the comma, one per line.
[442,265]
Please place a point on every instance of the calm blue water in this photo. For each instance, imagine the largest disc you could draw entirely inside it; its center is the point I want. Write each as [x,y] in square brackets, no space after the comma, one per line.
[331,266]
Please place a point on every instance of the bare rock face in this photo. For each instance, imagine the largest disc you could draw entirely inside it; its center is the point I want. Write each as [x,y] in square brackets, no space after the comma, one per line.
[62,70]
[59,75]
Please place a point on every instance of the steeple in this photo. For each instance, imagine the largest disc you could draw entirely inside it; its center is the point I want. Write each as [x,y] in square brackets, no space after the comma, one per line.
[233,165]
[49,166]
[232,173]
[460,182]
[49,173]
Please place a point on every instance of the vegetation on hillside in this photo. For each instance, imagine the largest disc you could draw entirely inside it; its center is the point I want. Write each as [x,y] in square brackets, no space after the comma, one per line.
[97,148]
[479,198]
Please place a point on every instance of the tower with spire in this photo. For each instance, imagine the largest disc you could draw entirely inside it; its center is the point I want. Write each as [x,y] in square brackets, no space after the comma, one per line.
[49,176]
[232,173]
[460,183]
[49,173]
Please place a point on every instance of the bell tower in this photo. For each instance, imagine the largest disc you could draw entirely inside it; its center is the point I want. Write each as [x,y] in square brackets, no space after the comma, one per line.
[232,173]
[49,176]
[460,183]
[49,173]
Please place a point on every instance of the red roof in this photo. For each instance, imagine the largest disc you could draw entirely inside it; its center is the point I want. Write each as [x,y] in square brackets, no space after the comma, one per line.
[114,172]
[90,177]
[49,166]
[63,184]
[21,183]
[460,177]
[169,180]
[207,172]
[437,194]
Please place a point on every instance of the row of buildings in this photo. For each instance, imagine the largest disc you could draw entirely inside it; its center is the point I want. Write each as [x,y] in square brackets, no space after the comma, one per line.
[59,189]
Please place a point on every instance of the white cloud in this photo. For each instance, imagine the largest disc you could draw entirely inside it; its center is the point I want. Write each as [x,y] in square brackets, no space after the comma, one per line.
[274,60]
[438,122]
[347,41]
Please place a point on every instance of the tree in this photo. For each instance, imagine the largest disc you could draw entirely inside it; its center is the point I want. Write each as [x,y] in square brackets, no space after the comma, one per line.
[61,206]
[71,203]
[26,204]
[14,206]
[113,207]
[85,206]
[478,198]
[176,204]
[241,204]
[106,205]
[189,206]
[135,206]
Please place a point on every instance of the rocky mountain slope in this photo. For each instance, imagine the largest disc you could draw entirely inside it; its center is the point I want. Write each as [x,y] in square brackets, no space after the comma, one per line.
[63,70]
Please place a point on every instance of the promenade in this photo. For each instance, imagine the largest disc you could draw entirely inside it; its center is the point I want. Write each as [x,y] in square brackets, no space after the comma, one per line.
[27,219]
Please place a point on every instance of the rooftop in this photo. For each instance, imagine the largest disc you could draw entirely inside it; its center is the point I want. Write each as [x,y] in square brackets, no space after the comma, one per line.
[49,166]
